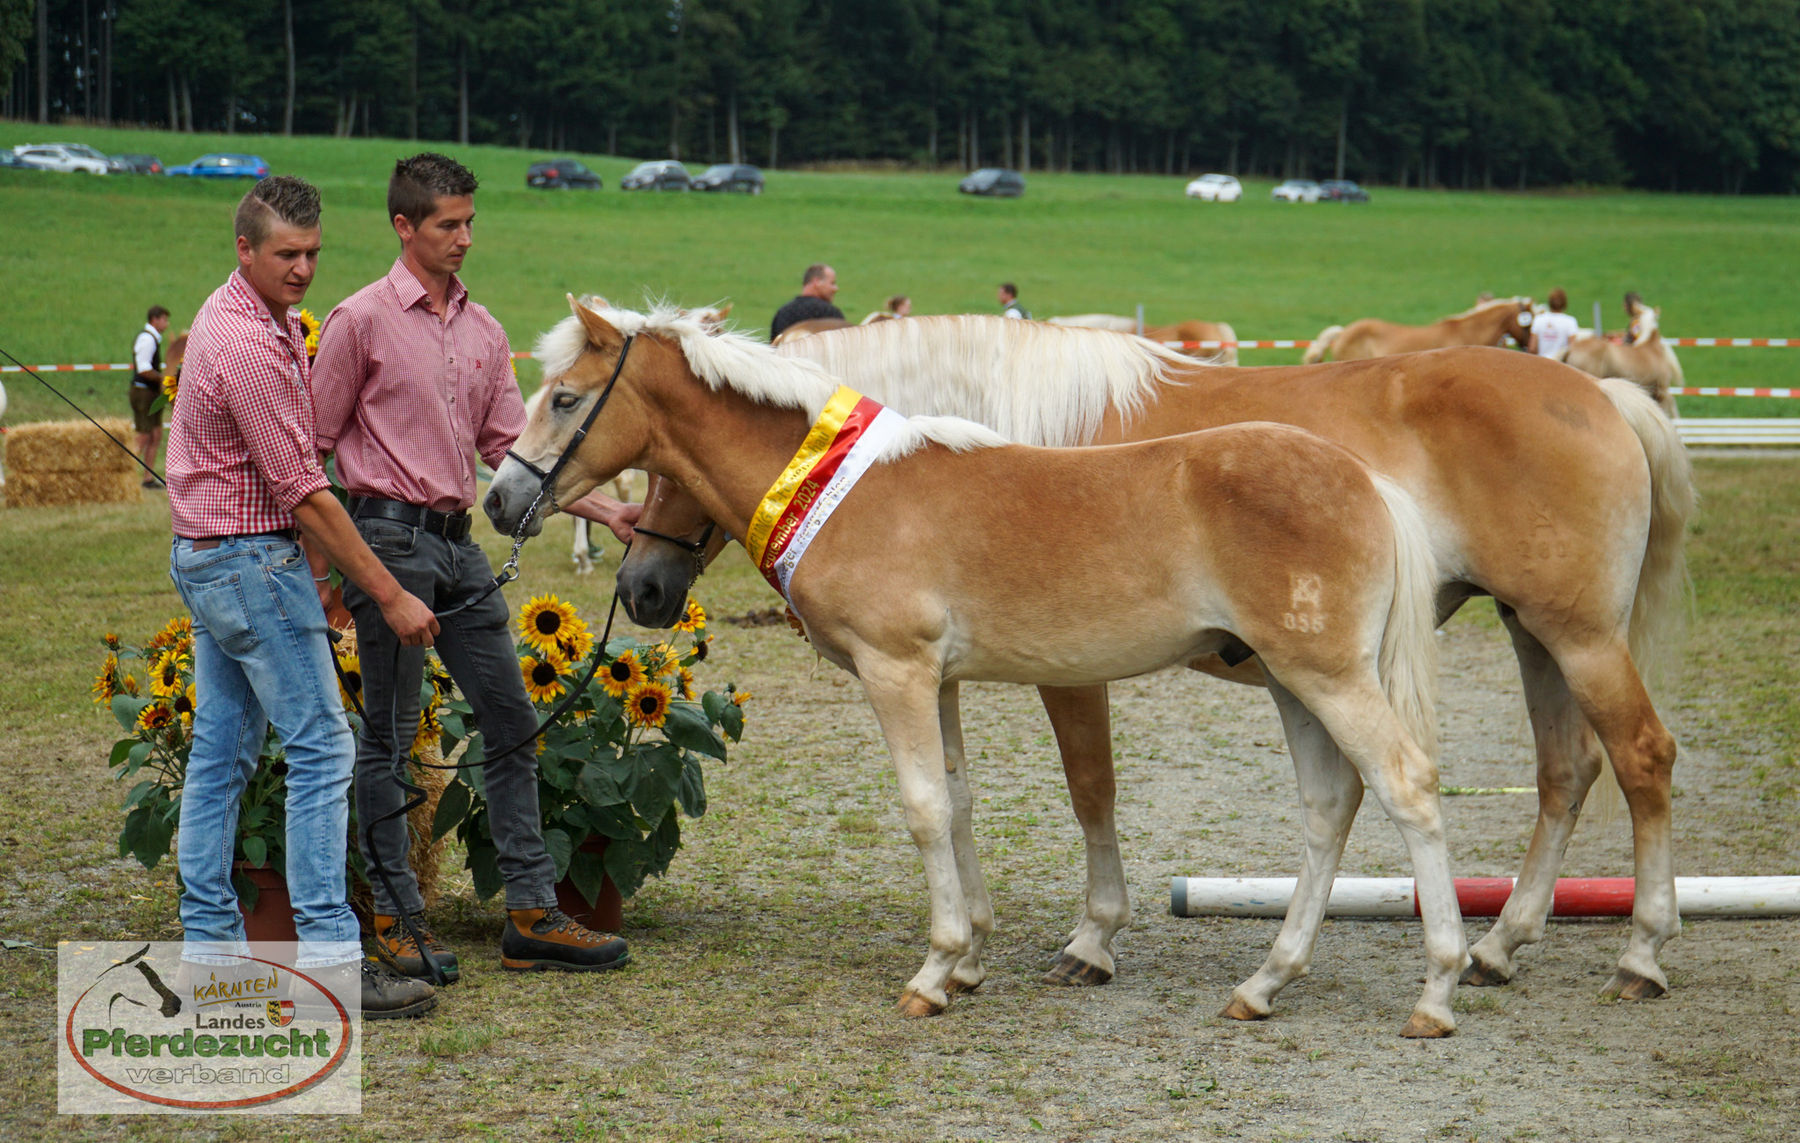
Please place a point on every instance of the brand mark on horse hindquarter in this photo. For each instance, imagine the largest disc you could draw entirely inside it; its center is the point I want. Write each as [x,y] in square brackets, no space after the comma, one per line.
[1308,592]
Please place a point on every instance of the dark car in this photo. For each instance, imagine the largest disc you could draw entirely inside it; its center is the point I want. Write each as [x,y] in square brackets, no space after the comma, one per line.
[996,181]
[223,165]
[140,164]
[1341,190]
[554,174]
[658,174]
[730,177]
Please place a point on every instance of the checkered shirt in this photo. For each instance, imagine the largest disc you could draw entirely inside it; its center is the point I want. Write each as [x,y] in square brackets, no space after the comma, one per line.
[241,441]
[408,401]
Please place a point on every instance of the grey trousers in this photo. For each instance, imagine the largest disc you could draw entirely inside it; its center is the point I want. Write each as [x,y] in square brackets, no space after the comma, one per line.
[477,647]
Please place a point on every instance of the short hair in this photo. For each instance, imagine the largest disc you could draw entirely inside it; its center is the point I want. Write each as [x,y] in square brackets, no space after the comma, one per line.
[156,312]
[418,182]
[897,301]
[284,198]
[1559,301]
[1010,288]
[813,273]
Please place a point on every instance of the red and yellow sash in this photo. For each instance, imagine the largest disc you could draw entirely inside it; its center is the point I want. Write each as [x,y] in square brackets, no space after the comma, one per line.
[842,444]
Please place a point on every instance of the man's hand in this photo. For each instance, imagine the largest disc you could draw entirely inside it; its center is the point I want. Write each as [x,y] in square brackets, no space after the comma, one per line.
[410,620]
[603,509]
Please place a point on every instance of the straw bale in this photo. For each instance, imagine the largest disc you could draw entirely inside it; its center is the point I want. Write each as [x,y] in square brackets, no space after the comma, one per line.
[69,446]
[49,489]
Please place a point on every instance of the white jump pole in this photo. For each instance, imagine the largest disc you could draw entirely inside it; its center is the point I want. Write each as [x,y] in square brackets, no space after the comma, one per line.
[1482,896]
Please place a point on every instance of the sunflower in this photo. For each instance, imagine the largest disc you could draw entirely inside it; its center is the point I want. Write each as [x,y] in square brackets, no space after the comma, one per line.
[171,387]
[156,716]
[177,633]
[106,683]
[183,702]
[739,698]
[623,675]
[311,324]
[693,619]
[648,705]
[165,673]
[350,680]
[128,686]
[545,620]
[543,676]
[684,682]
[428,731]
[111,640]
[575,641]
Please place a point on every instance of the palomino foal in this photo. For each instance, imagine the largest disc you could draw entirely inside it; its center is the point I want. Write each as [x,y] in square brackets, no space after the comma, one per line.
[1251,537]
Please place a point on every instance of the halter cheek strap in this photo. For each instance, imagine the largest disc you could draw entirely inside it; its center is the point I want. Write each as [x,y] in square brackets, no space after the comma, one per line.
[546,479]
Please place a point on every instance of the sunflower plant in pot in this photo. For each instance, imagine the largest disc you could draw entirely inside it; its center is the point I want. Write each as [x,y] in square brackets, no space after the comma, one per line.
[619,768]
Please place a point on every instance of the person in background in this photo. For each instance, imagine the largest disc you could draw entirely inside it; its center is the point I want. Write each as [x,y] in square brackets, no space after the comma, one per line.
[146,386]
[1009,302]
[1551,332]
[818,285]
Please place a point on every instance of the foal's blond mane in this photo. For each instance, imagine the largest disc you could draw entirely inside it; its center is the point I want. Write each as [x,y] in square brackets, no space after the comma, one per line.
[1032,382]
[1491,303]
[734,361]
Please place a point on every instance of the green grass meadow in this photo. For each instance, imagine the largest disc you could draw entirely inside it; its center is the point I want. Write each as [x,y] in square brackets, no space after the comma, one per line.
[84,256]
[754,958]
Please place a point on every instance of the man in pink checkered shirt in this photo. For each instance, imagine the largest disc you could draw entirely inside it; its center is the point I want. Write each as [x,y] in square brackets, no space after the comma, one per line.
[244,483]
[414,383]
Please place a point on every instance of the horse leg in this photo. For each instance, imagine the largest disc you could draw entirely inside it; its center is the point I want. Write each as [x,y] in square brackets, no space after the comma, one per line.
[969,972]
[906,699]
[1083,727]
[1330,791]
[584,561]
[1569,759]
[1404,779]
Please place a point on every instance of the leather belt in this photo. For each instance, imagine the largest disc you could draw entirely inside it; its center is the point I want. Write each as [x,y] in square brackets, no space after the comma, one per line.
[208,543]
[450,525]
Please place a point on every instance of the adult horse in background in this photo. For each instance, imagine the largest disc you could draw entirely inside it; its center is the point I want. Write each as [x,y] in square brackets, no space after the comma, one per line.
[809,327]
[1647,360]
[1564,498]
[1247,535]
[1487,323]
[1186,332]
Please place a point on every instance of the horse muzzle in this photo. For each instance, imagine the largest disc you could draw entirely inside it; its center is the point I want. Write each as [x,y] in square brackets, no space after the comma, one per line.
[510,496]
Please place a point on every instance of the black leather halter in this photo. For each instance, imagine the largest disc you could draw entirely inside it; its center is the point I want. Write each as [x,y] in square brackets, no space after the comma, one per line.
[547,479]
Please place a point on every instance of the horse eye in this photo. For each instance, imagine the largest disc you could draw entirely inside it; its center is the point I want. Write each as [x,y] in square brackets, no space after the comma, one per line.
[565,401]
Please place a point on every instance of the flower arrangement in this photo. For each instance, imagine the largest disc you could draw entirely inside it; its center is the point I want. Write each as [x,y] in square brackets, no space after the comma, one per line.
[621,765]
[310,322]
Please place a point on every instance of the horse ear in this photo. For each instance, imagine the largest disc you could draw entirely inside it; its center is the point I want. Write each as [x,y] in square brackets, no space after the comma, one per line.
[600,332]
[724,312]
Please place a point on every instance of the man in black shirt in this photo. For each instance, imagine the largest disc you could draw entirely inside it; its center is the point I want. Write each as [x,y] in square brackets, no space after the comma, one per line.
[817,287]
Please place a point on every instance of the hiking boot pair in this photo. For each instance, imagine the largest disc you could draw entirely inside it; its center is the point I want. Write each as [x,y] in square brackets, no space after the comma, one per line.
[533,940]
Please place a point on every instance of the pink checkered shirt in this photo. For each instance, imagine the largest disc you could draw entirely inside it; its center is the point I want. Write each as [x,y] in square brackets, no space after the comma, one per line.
[408,401]
[241,441]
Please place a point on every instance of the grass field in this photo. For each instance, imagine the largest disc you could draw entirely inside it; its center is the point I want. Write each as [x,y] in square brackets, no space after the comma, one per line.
[84,256]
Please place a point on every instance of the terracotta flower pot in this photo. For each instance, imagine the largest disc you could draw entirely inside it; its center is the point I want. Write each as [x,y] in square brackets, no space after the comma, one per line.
[272,919]
[607,913]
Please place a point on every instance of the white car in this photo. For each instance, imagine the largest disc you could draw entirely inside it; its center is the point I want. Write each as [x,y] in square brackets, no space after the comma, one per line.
[65,157]
[1296,190]
[1215,188]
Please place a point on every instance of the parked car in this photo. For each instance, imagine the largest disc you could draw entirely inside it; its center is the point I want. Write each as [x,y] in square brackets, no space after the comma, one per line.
[730,177]
[555,174]
[223,165]
[65,157]
[1341,190]
[12,162]
[658,174]
[997,182]
[140,164]
[1215,188]
[1296,190]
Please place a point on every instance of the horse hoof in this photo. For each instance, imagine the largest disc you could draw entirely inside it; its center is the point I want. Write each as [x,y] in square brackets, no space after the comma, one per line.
[1239,1009]
[1628,985]
[1422,1027]
[1485,976]
[1076,972]
[957,987]
[914,1003]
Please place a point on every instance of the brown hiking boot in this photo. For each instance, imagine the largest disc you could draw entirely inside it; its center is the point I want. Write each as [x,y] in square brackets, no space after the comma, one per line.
[537,939]
[387,996]
[395,946]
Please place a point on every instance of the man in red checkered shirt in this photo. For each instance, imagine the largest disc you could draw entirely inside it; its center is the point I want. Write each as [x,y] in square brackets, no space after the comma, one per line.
[244,484]
[414,383]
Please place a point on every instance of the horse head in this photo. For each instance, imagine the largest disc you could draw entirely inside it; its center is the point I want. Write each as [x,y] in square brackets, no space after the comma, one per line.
[675,541]
[1517,323]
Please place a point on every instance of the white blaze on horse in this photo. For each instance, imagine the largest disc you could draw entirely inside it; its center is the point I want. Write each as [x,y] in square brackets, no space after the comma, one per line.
[1487,323]
[1217,340]
[1647,360]
[1563,498]
[1250,536]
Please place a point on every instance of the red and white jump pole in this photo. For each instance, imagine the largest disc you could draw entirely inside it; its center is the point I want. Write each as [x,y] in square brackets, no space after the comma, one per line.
[1482,896]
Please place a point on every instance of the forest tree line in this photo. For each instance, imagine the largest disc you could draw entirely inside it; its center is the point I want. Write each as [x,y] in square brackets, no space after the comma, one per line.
[1668,95]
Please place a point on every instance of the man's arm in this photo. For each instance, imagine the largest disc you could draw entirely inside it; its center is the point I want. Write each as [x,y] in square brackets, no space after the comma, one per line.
[328,529]
[603,509]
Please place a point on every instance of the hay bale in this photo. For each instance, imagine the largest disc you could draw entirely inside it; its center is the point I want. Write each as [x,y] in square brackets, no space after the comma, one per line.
[49,489]
[69,446]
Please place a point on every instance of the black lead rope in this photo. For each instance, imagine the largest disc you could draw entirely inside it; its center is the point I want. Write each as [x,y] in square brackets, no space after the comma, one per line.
[136,459]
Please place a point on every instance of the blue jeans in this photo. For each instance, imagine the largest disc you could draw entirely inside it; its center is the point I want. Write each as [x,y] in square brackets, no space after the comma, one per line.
[261,656]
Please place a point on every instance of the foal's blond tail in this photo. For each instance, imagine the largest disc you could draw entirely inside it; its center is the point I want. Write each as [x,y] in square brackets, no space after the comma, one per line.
[1657,611]
[1321,345]
[1409,652]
